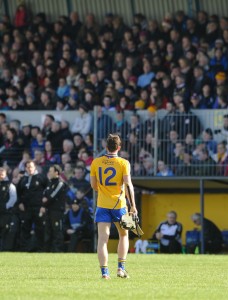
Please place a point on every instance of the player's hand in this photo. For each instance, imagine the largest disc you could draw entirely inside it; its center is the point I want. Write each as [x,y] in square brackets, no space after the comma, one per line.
[133,211]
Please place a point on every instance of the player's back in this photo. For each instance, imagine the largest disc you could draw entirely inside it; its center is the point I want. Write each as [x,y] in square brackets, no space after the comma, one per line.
[109,171]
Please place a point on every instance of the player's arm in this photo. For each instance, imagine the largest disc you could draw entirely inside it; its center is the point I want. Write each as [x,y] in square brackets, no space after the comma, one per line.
[93,178]
[93,182]
[130,193]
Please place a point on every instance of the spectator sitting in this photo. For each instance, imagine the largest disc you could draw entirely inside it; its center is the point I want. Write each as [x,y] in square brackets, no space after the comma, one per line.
[68,148]
[37,143]
[145,79]
[221,159]
[169,234]
[67,171]
[49,155]
[86,157]
[21,17]
[45,101]
[78,224]
[206,165]
[25,157]
[107,104]
[89,142]
[224,130]
[11,153]
[78,180]
[79,143]
[210,143]
[148,166]
[163,169]
[207,97]
[104,124]
[39,158]
[212,235]
[63,89]
[185,167]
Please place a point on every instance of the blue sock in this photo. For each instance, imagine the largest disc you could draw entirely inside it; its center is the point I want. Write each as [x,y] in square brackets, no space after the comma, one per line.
[121,263]
[104,270]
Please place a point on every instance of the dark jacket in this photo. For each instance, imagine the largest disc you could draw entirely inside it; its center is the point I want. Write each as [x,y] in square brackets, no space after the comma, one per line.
[211,232]
[56,195]
[8,196]
[30,190]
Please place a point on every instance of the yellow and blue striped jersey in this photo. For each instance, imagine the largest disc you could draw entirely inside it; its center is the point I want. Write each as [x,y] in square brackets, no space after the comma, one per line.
[109,171]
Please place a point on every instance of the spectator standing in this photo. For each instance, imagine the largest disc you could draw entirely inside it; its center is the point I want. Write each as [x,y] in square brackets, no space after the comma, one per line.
[53,205]
[8,224]
[30,192]
[82,123]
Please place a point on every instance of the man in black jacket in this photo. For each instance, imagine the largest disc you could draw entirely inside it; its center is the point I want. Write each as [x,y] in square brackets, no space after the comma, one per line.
[212,235]
[8,224]
[54,206]
[30,193]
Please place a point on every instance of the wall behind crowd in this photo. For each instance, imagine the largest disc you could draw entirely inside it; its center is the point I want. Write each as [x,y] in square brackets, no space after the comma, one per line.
[209,118]
[150,8]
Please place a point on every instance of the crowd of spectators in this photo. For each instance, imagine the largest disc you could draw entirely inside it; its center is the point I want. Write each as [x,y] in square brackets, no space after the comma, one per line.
[61,65]
[177,65]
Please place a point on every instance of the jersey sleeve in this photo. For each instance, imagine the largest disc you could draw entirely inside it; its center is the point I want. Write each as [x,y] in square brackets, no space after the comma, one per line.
[92,169]
[126,168]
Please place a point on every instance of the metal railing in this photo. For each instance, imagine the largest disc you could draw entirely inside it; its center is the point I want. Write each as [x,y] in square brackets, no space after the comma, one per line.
[169,144]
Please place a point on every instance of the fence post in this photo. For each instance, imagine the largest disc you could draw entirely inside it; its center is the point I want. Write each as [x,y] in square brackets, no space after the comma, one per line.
[190,8]
[202,215]
[95,151]
[6,7]
[69,6]
[132,3]
[156,144]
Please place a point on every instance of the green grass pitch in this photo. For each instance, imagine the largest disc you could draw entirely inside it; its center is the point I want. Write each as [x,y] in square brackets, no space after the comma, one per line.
[77,276]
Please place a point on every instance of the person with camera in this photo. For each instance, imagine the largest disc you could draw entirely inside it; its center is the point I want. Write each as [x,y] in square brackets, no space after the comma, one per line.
[109,175]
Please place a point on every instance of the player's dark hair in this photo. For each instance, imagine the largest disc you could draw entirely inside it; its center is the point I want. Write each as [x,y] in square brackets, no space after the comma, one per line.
[113,142]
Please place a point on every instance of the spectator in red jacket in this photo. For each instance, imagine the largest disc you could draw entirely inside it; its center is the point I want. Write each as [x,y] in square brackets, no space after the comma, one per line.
[21,15]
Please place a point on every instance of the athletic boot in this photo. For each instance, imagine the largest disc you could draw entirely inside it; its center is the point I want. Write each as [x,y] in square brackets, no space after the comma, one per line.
[105,276]
[122,273]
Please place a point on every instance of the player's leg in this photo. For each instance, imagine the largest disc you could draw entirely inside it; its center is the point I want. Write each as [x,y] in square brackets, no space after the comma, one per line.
[122,251]
[102,247]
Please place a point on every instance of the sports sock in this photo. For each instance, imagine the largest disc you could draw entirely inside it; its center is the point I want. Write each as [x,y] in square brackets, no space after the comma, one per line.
[121,263]
[104,270]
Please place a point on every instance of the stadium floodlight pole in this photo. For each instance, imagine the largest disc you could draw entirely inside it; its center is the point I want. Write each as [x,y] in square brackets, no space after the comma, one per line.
[95,150]
[202,215]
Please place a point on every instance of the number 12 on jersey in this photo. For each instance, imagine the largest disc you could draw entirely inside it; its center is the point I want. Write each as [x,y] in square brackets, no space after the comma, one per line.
[111,172]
